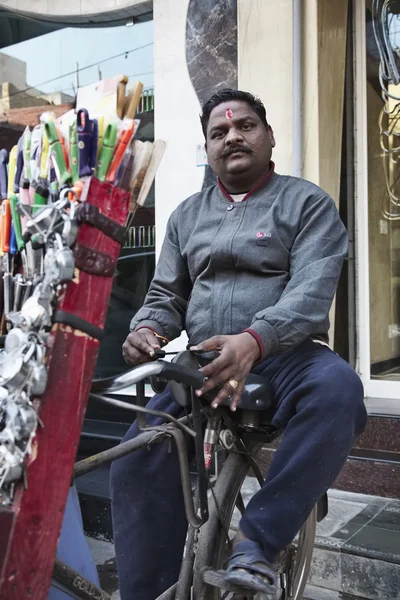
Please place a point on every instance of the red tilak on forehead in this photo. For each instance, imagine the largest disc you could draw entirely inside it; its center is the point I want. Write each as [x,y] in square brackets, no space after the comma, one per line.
[229,114]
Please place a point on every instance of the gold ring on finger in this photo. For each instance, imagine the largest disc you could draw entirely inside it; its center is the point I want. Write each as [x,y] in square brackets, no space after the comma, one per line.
[233,383]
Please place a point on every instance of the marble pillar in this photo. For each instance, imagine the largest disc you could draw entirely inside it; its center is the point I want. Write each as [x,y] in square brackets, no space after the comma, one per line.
[211,50]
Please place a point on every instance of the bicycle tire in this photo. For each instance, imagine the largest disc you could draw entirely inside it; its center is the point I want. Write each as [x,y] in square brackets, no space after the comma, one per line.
[212,538]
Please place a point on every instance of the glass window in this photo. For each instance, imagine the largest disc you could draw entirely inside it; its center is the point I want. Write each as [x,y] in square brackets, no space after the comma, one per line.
[383,106]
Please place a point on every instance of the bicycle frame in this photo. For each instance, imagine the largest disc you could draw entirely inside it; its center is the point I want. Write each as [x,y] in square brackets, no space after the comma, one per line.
[196,508]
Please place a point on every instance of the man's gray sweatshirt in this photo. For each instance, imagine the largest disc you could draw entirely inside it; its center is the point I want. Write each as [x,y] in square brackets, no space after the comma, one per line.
[269,265]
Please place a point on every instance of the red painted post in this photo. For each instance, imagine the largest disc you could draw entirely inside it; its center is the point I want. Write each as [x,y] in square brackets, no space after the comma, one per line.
[29,530]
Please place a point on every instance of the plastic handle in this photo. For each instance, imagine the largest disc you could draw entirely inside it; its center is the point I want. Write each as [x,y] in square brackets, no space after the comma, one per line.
[3,173]
[73,152]
[100,133]
[5,225]
[27,153]
[20,164]
[124,140]
[57,154]
[63,148]
[107,151]
[40,198]
[16,219]
[13,241]
[85,134]
[93,147]
[11,170]
[44,165]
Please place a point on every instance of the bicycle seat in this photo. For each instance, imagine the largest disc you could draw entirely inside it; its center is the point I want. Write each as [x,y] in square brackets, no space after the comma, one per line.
[258,393]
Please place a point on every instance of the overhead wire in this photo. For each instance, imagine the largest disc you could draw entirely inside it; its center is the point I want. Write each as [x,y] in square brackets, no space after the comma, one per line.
[31,87]
[70,87]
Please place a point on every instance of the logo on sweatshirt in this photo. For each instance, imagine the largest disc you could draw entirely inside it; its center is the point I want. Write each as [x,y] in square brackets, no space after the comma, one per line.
[263,234]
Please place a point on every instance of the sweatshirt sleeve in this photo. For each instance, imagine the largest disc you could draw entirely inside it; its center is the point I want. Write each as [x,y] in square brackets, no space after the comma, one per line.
[165,304]
[316,260]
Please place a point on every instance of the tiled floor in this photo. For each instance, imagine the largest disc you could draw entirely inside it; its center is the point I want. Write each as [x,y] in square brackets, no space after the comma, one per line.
[366,525]
[357,553]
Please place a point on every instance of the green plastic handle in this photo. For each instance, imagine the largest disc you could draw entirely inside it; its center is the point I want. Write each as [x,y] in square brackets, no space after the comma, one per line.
[17,222]
[73,152]
[107,151]
[40,198]
[56,152]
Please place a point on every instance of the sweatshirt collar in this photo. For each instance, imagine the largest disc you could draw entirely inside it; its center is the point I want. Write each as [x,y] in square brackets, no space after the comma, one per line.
[253,189]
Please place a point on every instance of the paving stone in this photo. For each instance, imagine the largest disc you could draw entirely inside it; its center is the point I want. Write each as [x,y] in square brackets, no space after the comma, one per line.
[370,579]
[340,513]
[101,550]
[357,553]
[313,592]
[326,569]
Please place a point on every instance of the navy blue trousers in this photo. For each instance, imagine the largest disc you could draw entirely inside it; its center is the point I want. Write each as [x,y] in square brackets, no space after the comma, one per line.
[319,402]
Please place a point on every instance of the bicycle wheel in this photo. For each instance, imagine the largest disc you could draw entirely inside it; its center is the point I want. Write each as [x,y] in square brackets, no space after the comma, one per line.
[214,548]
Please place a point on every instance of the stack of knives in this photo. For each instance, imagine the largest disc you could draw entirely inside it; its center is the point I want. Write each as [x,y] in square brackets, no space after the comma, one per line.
[58,157]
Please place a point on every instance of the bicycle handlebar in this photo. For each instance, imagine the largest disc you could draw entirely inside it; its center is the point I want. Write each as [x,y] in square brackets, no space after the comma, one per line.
[161,368]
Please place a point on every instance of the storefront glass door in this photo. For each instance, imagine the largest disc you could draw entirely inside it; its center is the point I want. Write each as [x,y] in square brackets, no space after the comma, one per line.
[377,65]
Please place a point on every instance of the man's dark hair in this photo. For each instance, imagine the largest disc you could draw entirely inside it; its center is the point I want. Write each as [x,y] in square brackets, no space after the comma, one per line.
[227,95]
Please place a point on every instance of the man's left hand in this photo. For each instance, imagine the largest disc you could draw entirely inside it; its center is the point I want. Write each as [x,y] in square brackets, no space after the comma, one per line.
[237,354]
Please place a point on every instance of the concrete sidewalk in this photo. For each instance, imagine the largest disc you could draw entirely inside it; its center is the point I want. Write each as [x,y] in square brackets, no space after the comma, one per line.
[356,556]
[357,553]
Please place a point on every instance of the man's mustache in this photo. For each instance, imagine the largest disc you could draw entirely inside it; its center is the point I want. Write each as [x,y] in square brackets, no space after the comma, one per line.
[233,149]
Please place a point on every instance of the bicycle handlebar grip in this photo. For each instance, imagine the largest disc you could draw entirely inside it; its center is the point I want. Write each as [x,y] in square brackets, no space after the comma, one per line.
[182,374]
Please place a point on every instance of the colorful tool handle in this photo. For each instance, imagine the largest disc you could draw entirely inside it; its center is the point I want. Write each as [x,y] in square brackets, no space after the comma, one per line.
[54,191]
[3,172]
[27,153]
[20,164]
[5,218]
[12,165]
[73,152]
[100,134]
[32,189]
[13,240]
[107,151]
[25,201]
[16,219]
[124,139]
[85,131]
[44,157]
[57,155]
[40,198]
[93,147]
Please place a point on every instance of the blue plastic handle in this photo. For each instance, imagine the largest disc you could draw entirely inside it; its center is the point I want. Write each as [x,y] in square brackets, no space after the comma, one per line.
[13,241]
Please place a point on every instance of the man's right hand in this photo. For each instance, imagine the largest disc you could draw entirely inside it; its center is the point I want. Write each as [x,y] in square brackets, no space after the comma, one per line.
[139,346]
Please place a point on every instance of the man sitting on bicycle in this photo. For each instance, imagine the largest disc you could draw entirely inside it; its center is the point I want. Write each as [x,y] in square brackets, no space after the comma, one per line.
[249,267]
